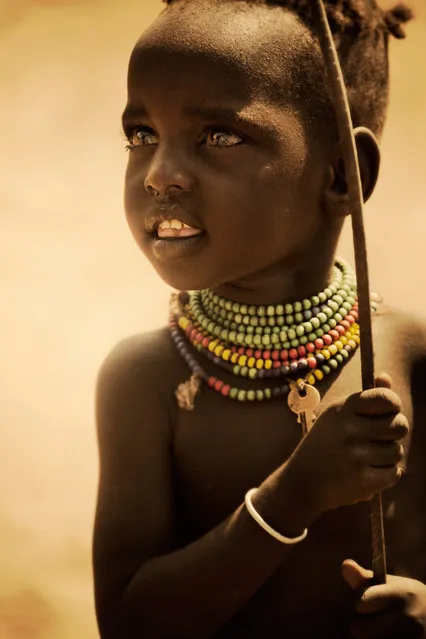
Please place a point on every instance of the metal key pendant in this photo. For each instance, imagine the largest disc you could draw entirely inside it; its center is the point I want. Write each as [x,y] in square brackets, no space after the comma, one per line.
[304,405]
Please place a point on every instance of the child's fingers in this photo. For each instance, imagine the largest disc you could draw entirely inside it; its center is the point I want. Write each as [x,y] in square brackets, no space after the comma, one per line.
[379,598]
[355,575]
[383,381]
[376,401]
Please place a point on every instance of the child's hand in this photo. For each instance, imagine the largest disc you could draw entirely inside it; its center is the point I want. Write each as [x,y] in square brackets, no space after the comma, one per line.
[353,450]
[394,610]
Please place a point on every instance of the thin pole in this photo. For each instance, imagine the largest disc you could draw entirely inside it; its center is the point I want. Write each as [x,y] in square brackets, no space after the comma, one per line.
[356,203]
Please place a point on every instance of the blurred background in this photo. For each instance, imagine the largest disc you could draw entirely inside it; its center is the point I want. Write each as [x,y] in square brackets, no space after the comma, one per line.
[74,283]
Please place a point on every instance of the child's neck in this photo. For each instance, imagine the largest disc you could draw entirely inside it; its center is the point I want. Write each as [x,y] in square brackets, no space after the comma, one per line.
[280,285]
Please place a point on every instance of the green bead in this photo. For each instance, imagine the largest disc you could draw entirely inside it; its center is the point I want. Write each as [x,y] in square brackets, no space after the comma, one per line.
[252,373]
[289,320]
[315,300]
[271,321]
[298,318]
[347,306]
[235,307]
[259,395]
[319,332]
[244,371]
[258,330]
[326,328]
[257,339]
[288,309]
[261,311]
[263,321]
[266,340]
[268,393]
[254,321]
[222,313]
[338,317]
[236,369]
[344,353]
[216,299]
[217,331]
[307,304]
[270,311]
[228,305]
[333,364]
[322,297]
[291,333]
[332,322]
[294,343]
[339,358]
[274,338]
[243,309]
[300,331]
[232,336]
[268,330]
[312,337]
[241,395]
[333,305]
[276,329]
[315,322]
[249,330]
[233,393]
[251,395]
[303,340]
[326,369]
[205,323]
[249,339]
[234,326]
[338,299]
[297,306]
[246,320]
[280,320]
[241,338]
[252,310]
[279,310]
[322,317]
[286,345]
[308,326]
[224,334]
[283,336]
[238,318]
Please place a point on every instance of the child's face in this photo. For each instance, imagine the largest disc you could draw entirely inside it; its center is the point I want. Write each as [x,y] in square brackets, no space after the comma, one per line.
[213,150]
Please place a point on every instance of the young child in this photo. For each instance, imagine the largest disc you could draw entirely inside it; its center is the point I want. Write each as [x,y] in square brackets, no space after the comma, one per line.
[236,193]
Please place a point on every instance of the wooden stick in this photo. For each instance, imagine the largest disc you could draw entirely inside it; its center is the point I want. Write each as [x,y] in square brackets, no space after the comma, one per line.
[356,202]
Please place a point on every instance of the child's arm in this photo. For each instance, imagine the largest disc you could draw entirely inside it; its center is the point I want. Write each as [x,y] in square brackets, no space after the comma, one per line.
[142,584]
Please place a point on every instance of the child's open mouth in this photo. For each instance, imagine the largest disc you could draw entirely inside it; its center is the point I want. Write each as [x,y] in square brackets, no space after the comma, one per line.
[175,229]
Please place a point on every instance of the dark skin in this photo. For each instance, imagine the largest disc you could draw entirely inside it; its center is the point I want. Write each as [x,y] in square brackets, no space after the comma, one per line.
[175,552]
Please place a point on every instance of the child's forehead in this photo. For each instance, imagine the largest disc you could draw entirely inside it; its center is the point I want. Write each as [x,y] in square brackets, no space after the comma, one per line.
[237,55]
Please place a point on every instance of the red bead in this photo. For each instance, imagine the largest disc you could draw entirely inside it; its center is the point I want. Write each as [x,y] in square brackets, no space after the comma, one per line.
[249,352]
[350,319]
[266,354]
[277,364]
[199,338]
[218,385]
[302,351]
[211,381]
[319,343]
[293,353]
[312,362]
[205,343]
[233,349]
[193,334]
[310,347]
[346,324]
[241,350]
[340,329]
[327,339]
[275,355]
[354,314]
[284,354]
[334,334]
[258,354]
[225,390]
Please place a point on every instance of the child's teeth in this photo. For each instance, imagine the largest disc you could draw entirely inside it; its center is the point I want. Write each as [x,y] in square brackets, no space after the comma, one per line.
[173,224]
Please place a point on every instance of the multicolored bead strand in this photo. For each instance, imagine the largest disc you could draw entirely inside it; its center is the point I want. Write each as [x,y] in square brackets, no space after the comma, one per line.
[303,341]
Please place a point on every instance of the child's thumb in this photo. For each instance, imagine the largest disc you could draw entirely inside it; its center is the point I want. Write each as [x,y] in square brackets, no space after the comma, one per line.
[383,380]
[355,575]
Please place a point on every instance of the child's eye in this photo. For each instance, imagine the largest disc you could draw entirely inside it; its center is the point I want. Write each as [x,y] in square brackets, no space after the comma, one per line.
[142,136]
[223,138]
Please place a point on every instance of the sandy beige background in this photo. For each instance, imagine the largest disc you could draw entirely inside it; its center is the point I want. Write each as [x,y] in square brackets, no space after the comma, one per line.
[74,283]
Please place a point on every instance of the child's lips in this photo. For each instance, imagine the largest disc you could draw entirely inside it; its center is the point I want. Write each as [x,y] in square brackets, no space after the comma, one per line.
[168,233]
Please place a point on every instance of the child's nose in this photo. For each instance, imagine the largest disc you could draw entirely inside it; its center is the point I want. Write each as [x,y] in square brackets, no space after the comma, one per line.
[169,170]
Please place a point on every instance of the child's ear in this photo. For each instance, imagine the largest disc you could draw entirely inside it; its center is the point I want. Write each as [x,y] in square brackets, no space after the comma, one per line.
[336,190]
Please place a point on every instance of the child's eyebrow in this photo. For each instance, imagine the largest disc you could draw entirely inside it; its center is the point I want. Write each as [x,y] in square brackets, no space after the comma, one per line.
[132,115]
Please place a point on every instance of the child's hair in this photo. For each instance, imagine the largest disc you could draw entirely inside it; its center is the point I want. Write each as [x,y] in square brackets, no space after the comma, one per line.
[361,30]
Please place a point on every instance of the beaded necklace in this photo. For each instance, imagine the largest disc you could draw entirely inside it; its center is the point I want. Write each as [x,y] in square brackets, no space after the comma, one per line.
[289,344]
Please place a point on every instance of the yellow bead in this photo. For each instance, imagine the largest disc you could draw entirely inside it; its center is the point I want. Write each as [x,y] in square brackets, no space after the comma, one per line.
[251,362]
[212,345]
[338,344]
[226,354]
[352,344]
[219,350]
[183,322]
[318,374]
[268,364]
[242,361]
[259,364]
[234,358]
[343,340]
[356,339]
[326,353]
[332,349]
[311,380]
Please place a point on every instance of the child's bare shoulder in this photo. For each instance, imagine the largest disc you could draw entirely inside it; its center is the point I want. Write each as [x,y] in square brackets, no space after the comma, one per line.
[402,331]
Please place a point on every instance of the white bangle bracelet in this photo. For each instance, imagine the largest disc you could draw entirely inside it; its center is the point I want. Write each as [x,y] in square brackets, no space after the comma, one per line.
[253,512]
